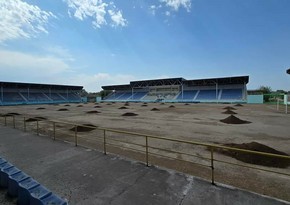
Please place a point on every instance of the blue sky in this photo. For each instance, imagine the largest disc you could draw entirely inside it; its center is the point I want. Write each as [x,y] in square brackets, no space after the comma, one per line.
[99,42]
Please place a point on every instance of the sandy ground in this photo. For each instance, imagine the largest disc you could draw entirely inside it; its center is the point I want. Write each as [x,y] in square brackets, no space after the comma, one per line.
[194,122]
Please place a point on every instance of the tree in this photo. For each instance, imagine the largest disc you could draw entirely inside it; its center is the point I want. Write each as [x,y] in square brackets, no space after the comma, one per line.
[265,89]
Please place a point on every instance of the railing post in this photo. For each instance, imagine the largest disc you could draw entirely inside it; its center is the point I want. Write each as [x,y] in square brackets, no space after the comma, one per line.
[105,149]
[53,130]
[147,159]
[24,124]
[37,127]
[76,136]
[14,121]
[212,165]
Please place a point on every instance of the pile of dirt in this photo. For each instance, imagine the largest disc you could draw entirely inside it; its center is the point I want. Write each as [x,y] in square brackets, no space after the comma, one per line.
[171,106]
[234,120]
[230,112]
[144,105]
[155,109]
[80,106]
[129,114]
[34,119]
[67,105]
[62,109]
[229,108]
[93,112]
[122,108]
[239,105]
[126,104]
[109,104]
[10,114]
[40,108]
[186,104]
[84,128]
[256,158]
[97,106]
[161,103]
[96,103]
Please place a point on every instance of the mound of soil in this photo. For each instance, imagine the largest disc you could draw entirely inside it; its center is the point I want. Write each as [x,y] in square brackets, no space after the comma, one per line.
[84,128]
[155,109]
[66,105]
[40,108]
[122,108]
[9,114]
[171,106]
[97,106]
[234,120]
[144,105]
[96,103]
[109,104]
[229,108]
[126,104]
[13,113]
[35,119]
[230,112]
[62,109]
[80,106]
[93,112]
[129,114]
[239,105]
[161,103]
[186,104]
[255,158]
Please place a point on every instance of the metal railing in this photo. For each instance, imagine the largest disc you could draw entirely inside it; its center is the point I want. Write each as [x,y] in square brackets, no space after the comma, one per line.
[143,147]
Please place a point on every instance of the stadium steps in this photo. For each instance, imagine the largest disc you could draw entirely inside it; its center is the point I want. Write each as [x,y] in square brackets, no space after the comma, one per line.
[27,190]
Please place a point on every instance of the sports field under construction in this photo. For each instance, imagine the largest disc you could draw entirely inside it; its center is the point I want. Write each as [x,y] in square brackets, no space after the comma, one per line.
[184,137]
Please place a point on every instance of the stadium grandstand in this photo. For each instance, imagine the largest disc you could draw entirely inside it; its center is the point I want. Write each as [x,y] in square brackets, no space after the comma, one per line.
[15,93]
[221,90]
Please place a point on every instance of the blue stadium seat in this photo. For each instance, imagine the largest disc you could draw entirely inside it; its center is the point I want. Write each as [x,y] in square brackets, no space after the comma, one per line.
[5,173]
[187,95]
[2,161]
[37,194]
[13,183]
[52,199]
[24,191]
[139,95]
[207,95]
[232,94]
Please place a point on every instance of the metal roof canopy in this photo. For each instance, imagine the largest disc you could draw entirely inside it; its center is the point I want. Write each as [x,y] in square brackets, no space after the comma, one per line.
[179,81]
[38,86]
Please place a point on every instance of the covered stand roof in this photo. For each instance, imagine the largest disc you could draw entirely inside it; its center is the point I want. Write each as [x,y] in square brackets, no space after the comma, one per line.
[179,81]
[38,86]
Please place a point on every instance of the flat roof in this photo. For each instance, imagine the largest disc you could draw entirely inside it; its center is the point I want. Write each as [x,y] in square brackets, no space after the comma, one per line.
[37,85]
[179,81]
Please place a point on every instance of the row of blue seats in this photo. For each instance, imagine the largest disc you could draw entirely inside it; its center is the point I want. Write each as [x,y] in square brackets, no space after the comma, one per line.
[38,97]
[226,94]
[27,190]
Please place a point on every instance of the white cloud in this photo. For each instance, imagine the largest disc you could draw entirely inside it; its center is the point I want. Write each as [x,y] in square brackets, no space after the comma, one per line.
[176,4]
[19,19]
[59,52]
[117,18]
[93,83]
[96,10]
[23,64]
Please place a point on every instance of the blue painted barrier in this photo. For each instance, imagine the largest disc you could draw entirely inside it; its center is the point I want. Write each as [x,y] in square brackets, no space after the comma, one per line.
[13,183]
[53,199]
[5,173]
[38,193]
[23,191]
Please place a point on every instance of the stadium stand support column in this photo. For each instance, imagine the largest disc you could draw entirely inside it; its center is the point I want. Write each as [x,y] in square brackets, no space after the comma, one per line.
[220,94]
